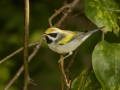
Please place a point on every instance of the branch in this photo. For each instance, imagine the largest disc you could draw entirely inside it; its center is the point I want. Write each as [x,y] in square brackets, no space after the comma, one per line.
[67,82]
[56,13]
[27,79]
[17,51]
[22,68]
[67,71]
[72,60]
[70,7]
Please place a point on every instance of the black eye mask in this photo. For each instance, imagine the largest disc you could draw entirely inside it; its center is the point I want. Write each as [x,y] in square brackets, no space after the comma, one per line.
[53,35]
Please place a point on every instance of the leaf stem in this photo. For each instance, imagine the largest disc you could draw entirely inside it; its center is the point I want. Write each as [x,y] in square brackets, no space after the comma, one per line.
[103,36]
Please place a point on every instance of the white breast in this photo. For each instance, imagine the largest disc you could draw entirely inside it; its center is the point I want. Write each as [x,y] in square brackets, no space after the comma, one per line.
[70,46]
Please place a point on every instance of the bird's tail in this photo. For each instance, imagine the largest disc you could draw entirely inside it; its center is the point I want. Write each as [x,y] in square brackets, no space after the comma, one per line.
[85,35]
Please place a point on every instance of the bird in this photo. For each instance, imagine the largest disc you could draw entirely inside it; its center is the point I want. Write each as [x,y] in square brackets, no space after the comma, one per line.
[66,41]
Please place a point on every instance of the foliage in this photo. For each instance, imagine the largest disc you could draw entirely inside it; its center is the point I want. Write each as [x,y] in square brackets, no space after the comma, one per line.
[90,84]
[103,14]
[44,68]
[106,64]
[106,56]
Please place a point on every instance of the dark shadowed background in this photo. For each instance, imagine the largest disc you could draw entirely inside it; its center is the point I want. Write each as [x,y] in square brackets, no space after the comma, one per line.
[44,67]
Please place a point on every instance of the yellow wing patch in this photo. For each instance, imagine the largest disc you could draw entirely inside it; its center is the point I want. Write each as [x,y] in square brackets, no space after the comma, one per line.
[66,39]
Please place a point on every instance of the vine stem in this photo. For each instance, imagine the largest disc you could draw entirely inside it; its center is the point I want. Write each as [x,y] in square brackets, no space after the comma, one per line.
[27,79]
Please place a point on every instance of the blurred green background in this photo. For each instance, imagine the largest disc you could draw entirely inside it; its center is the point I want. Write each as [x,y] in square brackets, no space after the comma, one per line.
[44,67]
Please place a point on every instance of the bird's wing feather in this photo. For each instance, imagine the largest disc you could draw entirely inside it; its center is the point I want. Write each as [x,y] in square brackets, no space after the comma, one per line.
[69,36]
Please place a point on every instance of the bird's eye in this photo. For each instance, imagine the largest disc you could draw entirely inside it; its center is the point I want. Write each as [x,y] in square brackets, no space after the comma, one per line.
[53,35]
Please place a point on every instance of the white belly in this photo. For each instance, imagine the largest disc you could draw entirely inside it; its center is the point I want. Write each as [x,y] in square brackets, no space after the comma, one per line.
[69,47]
[64,48]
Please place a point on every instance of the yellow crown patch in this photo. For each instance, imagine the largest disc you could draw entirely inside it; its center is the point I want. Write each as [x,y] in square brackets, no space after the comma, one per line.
[49,30]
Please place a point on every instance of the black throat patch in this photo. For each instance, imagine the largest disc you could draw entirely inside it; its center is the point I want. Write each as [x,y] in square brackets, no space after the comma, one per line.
[48,40]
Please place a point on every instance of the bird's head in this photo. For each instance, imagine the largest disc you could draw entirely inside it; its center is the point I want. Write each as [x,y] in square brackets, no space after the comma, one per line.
[52,34]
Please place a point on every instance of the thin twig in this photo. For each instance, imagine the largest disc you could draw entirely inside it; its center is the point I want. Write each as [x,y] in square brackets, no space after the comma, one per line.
[62,82]
[67,70]
[78,14]
[88,26]
[70,7]
[67,82]
[72,59]
[27,79]
[22,68]
[15,52]
[55,14]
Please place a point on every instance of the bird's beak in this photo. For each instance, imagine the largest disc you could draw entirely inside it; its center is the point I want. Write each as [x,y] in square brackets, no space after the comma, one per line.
[44,35]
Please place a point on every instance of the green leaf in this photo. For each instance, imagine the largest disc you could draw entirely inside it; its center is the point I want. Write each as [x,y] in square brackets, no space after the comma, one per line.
[77,83]
[106,65]
[102,13]
[91,82]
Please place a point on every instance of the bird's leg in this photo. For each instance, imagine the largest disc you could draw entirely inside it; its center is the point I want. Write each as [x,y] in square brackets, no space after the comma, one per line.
[70,53]
[63,57]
